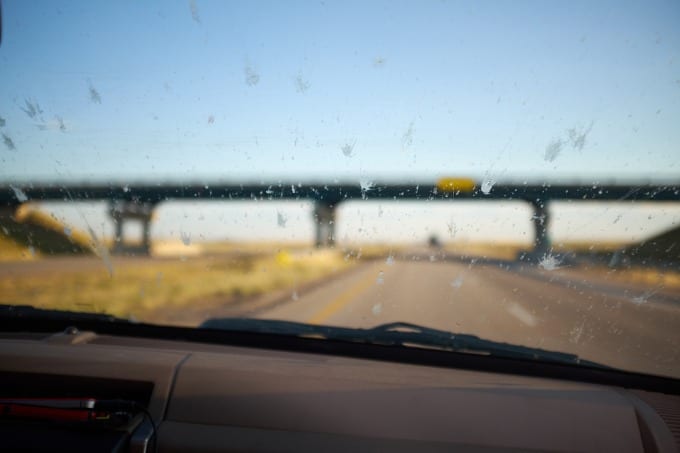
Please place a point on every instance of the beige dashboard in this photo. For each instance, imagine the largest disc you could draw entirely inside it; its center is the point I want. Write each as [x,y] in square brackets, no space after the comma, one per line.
[223,398]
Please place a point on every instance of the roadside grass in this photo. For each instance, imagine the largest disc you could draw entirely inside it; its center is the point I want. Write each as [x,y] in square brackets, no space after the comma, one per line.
[646,276]
[12,251]
[251,247]
[589,247]
[32,215]
[218,275]
[354,252]
[490,250]
[510,250]
[140,288]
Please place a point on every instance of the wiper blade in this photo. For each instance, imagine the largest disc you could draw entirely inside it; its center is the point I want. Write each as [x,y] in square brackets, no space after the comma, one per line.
[10,312]
[399,334]
[392,334]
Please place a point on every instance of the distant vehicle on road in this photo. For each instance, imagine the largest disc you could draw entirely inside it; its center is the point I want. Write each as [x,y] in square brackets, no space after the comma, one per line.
[434,242]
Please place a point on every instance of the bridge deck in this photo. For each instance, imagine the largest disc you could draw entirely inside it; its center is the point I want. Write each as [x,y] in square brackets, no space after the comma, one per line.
[334,193]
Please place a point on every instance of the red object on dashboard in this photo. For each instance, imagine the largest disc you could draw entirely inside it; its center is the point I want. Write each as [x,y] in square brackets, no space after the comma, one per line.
[45,413]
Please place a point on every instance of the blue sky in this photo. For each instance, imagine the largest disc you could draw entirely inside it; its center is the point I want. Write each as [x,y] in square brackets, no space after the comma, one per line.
[210,90]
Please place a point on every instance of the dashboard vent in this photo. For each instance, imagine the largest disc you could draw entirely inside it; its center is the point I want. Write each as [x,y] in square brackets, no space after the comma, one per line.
[668,408]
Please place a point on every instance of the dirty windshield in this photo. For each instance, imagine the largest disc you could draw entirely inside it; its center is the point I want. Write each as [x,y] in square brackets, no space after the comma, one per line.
[508,170]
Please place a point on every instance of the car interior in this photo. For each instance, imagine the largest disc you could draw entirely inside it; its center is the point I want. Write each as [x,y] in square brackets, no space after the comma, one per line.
[222,391]
[339,226]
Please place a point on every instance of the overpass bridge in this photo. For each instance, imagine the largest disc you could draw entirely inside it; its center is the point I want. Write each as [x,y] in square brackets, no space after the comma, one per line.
[136,202]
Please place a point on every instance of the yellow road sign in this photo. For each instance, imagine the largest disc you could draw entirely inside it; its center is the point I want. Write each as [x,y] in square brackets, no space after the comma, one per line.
[456,185]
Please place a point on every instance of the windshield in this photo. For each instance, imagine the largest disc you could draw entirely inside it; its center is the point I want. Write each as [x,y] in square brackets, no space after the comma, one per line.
[507,170]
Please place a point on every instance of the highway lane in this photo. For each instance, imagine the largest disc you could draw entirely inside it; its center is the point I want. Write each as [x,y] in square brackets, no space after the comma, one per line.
[622,325]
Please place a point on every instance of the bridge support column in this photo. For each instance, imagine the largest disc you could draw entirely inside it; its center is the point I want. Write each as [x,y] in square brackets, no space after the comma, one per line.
[541,220]
[324,219]
[122,211]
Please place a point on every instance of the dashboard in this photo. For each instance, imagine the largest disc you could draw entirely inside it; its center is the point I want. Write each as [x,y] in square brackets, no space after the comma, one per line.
[215,397]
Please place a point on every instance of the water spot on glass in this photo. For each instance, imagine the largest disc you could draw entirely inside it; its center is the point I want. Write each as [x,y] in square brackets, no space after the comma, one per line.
[487,184]
[281,220]
[457,282]
[19,194]
[193,7]
[377,309]
[100,250]
[390,260]
[577,136]
[31,250]
[9,143]
[381,278]
[348,148]
[540,218]
[60,123]
[251,75]
[549,262]
[301,85]
[32,109]
[295,296]
[644,297]
[451,227]
[366,186]
[407,137]
[68,231]
[95,97]
[553,150]
[186,238]
[576,333]
[379,62]
[211,119]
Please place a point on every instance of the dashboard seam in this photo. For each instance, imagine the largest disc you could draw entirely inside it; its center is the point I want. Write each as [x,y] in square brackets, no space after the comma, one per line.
[173,381]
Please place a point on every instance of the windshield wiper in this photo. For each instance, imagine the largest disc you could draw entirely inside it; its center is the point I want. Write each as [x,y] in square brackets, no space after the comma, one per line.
[9,312]
[392,334]
[399,334]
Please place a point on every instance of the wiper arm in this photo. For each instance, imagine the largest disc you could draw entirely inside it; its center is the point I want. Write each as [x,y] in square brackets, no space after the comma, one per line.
[399,334]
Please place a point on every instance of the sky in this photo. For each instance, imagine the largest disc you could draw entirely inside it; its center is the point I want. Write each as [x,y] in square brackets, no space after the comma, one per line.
[206,91]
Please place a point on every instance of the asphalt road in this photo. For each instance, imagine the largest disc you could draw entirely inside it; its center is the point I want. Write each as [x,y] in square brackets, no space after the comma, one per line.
[619,324]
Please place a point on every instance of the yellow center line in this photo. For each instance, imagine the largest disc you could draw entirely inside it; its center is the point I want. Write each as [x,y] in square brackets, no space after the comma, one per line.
[343,299]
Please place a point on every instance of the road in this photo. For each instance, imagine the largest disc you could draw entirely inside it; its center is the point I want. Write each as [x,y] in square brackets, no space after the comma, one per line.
[572,309]
[622,325]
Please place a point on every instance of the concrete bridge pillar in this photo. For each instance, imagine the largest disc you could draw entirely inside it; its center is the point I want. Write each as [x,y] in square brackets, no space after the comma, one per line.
[123,211]
[541,221]
[324,219]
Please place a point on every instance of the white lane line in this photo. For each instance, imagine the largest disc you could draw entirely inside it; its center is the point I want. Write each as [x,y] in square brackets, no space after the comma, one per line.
[522,314]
